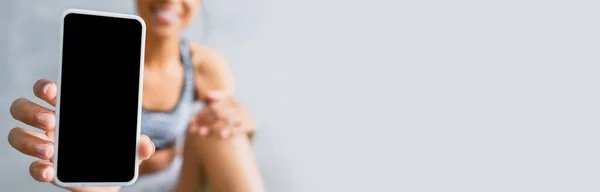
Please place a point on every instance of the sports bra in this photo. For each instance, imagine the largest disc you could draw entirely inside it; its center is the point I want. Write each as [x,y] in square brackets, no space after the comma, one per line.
[164,127]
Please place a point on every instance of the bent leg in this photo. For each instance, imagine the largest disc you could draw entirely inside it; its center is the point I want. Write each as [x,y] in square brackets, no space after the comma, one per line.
[191,178]
[229,164]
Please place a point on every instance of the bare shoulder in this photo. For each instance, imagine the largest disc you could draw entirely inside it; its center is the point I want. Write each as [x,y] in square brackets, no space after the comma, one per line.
[212,70]
[203,55]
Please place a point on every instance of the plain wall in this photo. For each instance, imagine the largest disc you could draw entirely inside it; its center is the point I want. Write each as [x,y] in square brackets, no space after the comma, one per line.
[407,96]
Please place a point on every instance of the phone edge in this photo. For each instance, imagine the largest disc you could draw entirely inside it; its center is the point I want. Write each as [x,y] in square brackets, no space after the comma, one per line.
[58,95]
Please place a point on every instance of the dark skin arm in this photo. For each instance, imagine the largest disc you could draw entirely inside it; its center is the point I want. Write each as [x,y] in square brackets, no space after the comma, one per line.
[213,74]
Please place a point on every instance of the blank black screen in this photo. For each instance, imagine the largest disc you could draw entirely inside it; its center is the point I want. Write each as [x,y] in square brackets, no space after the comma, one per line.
[99,91]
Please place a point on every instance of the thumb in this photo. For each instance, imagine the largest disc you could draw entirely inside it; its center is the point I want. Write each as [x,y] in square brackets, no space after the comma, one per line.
[146,148]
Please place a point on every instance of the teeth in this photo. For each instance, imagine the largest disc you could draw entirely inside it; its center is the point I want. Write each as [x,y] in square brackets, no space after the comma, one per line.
[170,15]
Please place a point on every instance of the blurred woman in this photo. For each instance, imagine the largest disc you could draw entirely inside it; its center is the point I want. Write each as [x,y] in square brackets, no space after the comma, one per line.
[217,152]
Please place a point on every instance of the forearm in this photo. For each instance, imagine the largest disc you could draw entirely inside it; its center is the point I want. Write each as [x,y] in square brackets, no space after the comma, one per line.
[229,164]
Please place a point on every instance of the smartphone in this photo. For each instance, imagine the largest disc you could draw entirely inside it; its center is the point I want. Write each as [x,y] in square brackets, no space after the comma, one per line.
[98,107]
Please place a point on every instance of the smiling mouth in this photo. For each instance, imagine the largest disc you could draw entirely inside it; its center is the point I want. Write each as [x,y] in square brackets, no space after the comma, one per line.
[166,15]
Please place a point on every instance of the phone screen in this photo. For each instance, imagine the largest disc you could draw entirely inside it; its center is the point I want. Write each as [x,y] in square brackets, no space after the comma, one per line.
[99,99]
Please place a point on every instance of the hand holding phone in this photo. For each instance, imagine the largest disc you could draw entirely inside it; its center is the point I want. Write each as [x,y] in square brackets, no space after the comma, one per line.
[42,145]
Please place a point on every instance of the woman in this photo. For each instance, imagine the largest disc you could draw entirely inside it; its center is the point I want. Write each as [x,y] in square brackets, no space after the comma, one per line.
[217,150]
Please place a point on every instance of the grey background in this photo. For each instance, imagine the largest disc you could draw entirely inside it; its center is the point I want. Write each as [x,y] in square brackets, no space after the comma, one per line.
[464,96]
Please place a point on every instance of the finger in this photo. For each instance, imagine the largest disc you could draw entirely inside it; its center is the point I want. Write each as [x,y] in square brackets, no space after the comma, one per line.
[46,90]
[33,114]
[193,127]
[232,123]
[198,122]
[31,143]
[223,112]
[204,130]
[226,133]
[146,148]
[196,128]
[215,117]
[202,125]
[233,127]
[218,121]
[41,171]
[228,129]
[228,116]
[225,107]
[205,117]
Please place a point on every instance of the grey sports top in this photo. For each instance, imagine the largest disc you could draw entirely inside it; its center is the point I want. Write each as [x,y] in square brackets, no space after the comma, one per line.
[164,127]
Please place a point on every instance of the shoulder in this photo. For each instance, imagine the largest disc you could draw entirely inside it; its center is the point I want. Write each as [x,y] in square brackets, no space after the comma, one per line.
[204,56]
[211,69]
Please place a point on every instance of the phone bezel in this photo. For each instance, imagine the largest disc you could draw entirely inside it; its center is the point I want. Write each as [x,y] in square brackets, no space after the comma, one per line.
[139,116]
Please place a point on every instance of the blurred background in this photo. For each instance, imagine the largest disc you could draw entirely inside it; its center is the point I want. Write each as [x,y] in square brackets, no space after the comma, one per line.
[410,96]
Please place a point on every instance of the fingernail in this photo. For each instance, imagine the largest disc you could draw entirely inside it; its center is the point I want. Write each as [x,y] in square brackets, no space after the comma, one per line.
[44,118]
[45,173]
[44,150]
[46,88]
[203,131]
[49,173]
[225,133]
